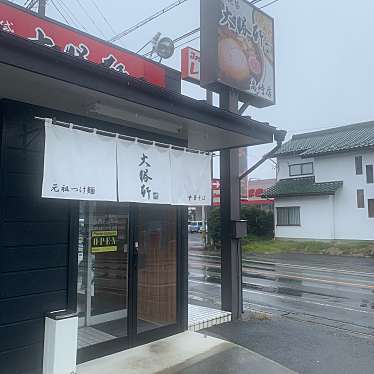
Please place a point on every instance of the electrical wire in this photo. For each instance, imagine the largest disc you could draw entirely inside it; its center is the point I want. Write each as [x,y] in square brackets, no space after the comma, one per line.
[271,2]
[103,16]
[89,16]
[63,10]
[178,39]
[71,14]
[146,20]
[184,36]
[29,4]
[188,41]
[59,11]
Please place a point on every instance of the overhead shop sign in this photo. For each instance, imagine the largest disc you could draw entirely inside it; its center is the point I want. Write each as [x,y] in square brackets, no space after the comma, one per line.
[237,50]
[82,165]
[52,34]
[190,65]
[144,173]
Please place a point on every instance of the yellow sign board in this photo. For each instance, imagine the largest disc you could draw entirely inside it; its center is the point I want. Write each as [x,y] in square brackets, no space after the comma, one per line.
[104,241]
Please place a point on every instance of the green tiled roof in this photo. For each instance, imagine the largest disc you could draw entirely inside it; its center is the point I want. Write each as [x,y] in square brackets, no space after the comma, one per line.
[338,139]
[301,187]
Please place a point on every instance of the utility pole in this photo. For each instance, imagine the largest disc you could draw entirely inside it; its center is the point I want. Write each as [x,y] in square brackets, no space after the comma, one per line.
[42,7]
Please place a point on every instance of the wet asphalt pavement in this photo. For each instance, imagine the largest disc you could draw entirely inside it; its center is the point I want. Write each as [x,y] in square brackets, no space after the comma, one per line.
[339,289]
[322,308]
[303,347]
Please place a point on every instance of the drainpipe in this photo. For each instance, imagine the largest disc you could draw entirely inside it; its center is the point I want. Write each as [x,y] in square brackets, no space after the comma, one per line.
[279,136]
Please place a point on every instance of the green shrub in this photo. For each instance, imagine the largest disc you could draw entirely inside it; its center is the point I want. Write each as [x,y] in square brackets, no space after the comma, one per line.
[214,226]
[260,223]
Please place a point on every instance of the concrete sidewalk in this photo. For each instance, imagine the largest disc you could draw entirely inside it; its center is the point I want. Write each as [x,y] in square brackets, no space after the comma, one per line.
[187,353]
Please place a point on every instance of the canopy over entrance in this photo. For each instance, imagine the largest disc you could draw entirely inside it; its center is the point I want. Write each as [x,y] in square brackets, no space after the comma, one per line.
[46,77]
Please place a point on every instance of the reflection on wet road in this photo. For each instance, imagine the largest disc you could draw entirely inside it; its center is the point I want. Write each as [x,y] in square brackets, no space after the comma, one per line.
[339,289]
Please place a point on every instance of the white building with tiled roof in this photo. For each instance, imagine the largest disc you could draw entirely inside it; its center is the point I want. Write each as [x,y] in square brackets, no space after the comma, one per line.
[325,185]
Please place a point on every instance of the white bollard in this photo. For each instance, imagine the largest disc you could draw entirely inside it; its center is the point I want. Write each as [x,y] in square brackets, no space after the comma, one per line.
[60,343]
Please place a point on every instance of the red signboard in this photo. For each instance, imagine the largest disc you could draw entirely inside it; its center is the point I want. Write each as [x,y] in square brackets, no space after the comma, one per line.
[55,35]
[216,184]
[252,194]
[190,65]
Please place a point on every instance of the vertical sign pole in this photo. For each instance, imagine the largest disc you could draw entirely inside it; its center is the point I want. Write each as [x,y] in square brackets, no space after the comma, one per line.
[209,100]
[41,7]
[231,289]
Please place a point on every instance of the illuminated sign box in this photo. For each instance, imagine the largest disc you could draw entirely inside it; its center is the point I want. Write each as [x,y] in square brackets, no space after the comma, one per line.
[237,50]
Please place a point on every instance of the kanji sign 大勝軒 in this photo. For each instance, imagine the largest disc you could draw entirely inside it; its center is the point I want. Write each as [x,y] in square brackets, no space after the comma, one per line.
[83,165]
[237,50]
[52,34]
[143,173]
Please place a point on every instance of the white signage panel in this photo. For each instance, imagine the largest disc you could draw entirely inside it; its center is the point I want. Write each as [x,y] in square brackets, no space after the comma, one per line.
[78,165]
[143,173]
[81,165]
[190,65]
[191,178]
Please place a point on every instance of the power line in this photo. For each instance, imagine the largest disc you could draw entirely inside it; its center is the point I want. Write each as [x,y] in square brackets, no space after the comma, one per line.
[178,39]
[184,36]
[29,4]
[62,8]
[188,41]
[89,16]
[71,14]
[103,16]
[59,11]
[145,21]
[271,2]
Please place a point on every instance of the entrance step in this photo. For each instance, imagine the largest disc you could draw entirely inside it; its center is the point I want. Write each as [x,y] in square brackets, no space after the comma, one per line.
[89,336]
[201,317]
[185,353]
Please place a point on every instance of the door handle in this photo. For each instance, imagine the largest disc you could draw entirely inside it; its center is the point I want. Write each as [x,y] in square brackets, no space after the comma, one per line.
[136,255]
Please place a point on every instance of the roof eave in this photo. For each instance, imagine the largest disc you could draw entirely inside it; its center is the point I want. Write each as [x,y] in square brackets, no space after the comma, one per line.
[21,53]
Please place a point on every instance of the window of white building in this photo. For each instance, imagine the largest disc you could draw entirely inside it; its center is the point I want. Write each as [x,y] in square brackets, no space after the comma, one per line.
[360,199]
[371,208]
[301,169]
[369,174]
[288,216]
[358,164]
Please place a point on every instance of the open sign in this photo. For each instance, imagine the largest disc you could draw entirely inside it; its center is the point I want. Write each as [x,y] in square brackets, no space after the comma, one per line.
[104,241]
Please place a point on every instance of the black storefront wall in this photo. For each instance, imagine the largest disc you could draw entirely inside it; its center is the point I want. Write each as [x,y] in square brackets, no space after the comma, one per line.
[39,239]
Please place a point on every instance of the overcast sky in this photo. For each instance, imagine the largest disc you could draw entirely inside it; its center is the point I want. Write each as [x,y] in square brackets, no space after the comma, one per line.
[324,56]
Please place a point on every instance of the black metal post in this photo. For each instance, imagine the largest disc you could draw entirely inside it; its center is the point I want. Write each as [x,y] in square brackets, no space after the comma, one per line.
[231,270]
[42,7]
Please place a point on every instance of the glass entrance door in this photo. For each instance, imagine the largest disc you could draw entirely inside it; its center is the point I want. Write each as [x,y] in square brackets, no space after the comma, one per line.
[102,272]
[156,234]
[127,275]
